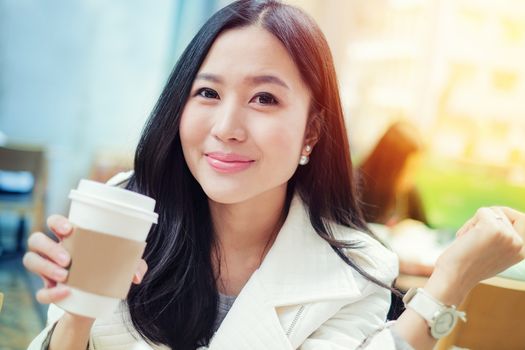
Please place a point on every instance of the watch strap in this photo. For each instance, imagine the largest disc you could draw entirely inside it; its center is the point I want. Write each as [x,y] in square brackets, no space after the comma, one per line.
[425,305]
[432,310]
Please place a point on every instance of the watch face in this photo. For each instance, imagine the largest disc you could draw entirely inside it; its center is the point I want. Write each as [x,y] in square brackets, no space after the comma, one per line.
[443,323]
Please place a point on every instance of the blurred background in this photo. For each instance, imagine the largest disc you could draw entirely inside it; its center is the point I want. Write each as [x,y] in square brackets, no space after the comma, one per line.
[79,78]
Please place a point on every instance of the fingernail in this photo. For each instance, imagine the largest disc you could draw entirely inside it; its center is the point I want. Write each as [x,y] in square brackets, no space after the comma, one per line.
[62,289]
[60,274]
[63,258]
[65,227]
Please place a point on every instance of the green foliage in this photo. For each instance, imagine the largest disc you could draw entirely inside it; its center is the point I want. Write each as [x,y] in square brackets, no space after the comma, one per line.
[453,191]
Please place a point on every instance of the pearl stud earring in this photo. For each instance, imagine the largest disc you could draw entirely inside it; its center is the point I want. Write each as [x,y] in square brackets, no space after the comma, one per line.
[304,160]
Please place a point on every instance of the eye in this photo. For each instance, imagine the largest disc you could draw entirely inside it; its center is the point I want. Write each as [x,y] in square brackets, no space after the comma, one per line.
[265,98]
[207,93]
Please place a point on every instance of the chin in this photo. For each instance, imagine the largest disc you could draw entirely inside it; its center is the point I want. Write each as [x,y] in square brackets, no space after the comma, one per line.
[225,197]
[238,194]
[223,194]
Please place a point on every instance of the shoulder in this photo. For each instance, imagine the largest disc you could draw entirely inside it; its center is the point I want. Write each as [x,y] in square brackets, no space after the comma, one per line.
[370,254]
[117,323]
[120,178]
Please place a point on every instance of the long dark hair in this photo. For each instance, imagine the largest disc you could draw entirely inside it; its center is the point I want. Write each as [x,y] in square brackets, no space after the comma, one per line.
[176,304]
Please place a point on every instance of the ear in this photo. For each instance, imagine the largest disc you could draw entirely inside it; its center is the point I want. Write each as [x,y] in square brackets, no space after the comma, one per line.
[313,130]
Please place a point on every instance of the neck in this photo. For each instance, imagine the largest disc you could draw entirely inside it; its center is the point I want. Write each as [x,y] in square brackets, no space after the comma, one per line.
[248,225]
[244,233]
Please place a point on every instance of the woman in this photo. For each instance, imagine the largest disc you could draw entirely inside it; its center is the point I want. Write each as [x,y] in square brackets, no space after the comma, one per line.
[246,155]
[388,191]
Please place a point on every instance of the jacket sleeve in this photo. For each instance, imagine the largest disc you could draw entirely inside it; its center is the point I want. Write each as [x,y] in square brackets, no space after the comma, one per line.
[53,315]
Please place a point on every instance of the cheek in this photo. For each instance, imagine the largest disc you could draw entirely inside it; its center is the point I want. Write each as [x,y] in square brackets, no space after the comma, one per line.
[281,145]
[192,129]
[192,135]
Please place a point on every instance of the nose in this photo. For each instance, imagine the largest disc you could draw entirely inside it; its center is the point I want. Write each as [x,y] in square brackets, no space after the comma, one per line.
[229,123]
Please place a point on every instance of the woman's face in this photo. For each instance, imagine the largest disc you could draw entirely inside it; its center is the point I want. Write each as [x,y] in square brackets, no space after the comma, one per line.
[243,126]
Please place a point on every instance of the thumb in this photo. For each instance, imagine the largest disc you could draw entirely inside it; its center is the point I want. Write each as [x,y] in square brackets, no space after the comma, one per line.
[517,219]
[141,271]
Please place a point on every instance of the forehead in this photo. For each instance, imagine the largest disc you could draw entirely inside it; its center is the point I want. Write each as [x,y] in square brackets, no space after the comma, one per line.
[251,50]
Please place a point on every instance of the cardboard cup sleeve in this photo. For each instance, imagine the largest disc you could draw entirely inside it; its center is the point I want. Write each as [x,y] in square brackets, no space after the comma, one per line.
[102,264]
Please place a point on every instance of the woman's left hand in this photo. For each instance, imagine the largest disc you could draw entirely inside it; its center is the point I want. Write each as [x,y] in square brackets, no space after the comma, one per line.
[487,244]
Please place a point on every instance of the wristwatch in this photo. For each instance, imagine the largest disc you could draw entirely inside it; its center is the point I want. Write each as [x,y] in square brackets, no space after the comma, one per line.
[440,318]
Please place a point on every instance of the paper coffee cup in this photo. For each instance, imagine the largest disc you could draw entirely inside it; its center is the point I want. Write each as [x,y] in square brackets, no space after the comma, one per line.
[110,228]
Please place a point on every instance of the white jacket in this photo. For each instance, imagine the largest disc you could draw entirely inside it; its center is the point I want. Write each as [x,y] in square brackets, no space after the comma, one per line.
[303,296]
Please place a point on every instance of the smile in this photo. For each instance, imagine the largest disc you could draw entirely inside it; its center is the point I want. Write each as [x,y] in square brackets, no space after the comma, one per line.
[228,163]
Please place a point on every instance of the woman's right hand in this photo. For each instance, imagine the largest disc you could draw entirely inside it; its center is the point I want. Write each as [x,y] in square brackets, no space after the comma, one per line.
[49,260]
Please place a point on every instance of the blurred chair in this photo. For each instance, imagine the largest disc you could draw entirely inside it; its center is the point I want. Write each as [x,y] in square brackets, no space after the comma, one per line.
[31,203]
[496,318]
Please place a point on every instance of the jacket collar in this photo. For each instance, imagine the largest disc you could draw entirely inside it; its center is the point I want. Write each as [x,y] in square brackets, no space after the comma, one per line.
[301,266]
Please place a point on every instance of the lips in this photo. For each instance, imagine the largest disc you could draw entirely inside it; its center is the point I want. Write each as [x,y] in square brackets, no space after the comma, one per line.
[228,162]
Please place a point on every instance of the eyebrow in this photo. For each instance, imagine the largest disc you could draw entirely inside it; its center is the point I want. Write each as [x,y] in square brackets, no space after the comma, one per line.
[254,80]
[267,79]
[209,77]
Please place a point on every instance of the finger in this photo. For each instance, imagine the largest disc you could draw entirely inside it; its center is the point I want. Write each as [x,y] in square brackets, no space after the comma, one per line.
[467,226]
[47,282]
[141,271]
[470,223]
[514,226]
[42,244]
[502,217]
[59,225]
[487,216]
[495,219]
[44,267]
[52,295]
[507,228]
[516,218]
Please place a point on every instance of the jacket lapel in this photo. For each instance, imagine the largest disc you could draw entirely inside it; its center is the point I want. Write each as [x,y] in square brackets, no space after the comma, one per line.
[300,268]
[252,322]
